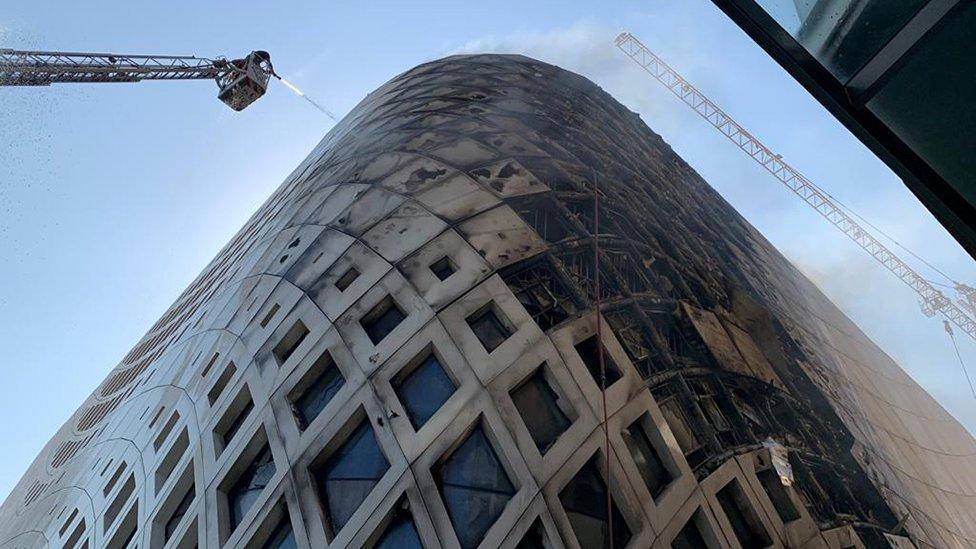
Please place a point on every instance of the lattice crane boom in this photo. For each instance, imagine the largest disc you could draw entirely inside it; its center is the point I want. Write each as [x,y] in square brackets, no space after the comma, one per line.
[241,81]
[932,300]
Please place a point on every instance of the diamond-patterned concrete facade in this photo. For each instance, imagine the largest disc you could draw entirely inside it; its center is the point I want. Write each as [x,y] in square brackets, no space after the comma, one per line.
[399,350]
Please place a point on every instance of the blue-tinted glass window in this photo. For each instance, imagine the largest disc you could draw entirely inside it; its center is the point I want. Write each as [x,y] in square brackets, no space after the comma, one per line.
[475,487]
[282,537]
[401,532]
[349,475]
[321,383]
[424,390]
[382,319]
[585,502]
[247,488]
[538,405]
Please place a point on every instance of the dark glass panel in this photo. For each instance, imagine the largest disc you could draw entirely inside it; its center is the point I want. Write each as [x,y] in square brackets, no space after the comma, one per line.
[424,390]
[588,352]
[475,488]
[382,319]
[748,530]
[283,537]
[443,268]
[314,398]
[246,489]
[652,468]
[346,279]
[778,495]
[538,405]
[349,475]
[585,502]
[174,520]
[293,338]
[690,536]
[238,421]
[401,532]
[488,327]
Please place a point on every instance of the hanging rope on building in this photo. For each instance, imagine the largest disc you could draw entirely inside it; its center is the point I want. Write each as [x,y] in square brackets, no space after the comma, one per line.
[599,351]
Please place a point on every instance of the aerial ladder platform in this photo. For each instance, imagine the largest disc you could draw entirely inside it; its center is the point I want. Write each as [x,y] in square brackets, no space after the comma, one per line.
[240,82]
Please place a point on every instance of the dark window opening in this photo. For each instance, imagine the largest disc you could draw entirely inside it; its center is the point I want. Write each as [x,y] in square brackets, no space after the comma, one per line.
[690,536]
[589,353]
[346,279]
[181,509]
[538,404]
[535,538]
[382,319]
[585,502]
[541,294]
[489,329]
[474,486]
[235,425]
[423,390]
[315,390]
[746,525]
[282,537]
[348,475]
[401,532]
[443,268]
[247,487]
[652,468]
[293,338]
[777,493]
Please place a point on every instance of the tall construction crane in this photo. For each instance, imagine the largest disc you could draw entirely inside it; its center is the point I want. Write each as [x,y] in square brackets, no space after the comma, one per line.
[933,301]
[240,81]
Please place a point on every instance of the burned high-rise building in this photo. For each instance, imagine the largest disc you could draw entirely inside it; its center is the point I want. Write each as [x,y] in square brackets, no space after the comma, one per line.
[401,348]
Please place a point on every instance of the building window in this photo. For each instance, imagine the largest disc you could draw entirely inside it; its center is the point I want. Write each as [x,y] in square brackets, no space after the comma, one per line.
[474,486]
[401,532]
[589,354]
[346,279]
[538,405]
[282,537]
[489,329]
[229,425]
[777,493]
[534,538]
[746,525]
[423,390]
[690,536]
[652,468]
[247,487]
[293,338]
[585,502]
[314,391]
[181,509]
[443,268]
[349,474]
[382,319]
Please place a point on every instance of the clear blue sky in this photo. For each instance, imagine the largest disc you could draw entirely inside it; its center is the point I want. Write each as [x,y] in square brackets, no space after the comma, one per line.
[113,197]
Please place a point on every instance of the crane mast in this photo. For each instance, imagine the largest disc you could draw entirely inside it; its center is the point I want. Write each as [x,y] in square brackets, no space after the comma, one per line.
[932,300]
[240,81]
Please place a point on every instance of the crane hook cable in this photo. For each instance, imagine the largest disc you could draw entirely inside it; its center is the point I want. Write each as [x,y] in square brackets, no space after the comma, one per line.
[952,337]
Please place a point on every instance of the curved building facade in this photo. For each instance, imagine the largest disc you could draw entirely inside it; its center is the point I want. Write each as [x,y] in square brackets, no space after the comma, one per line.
[401,348]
